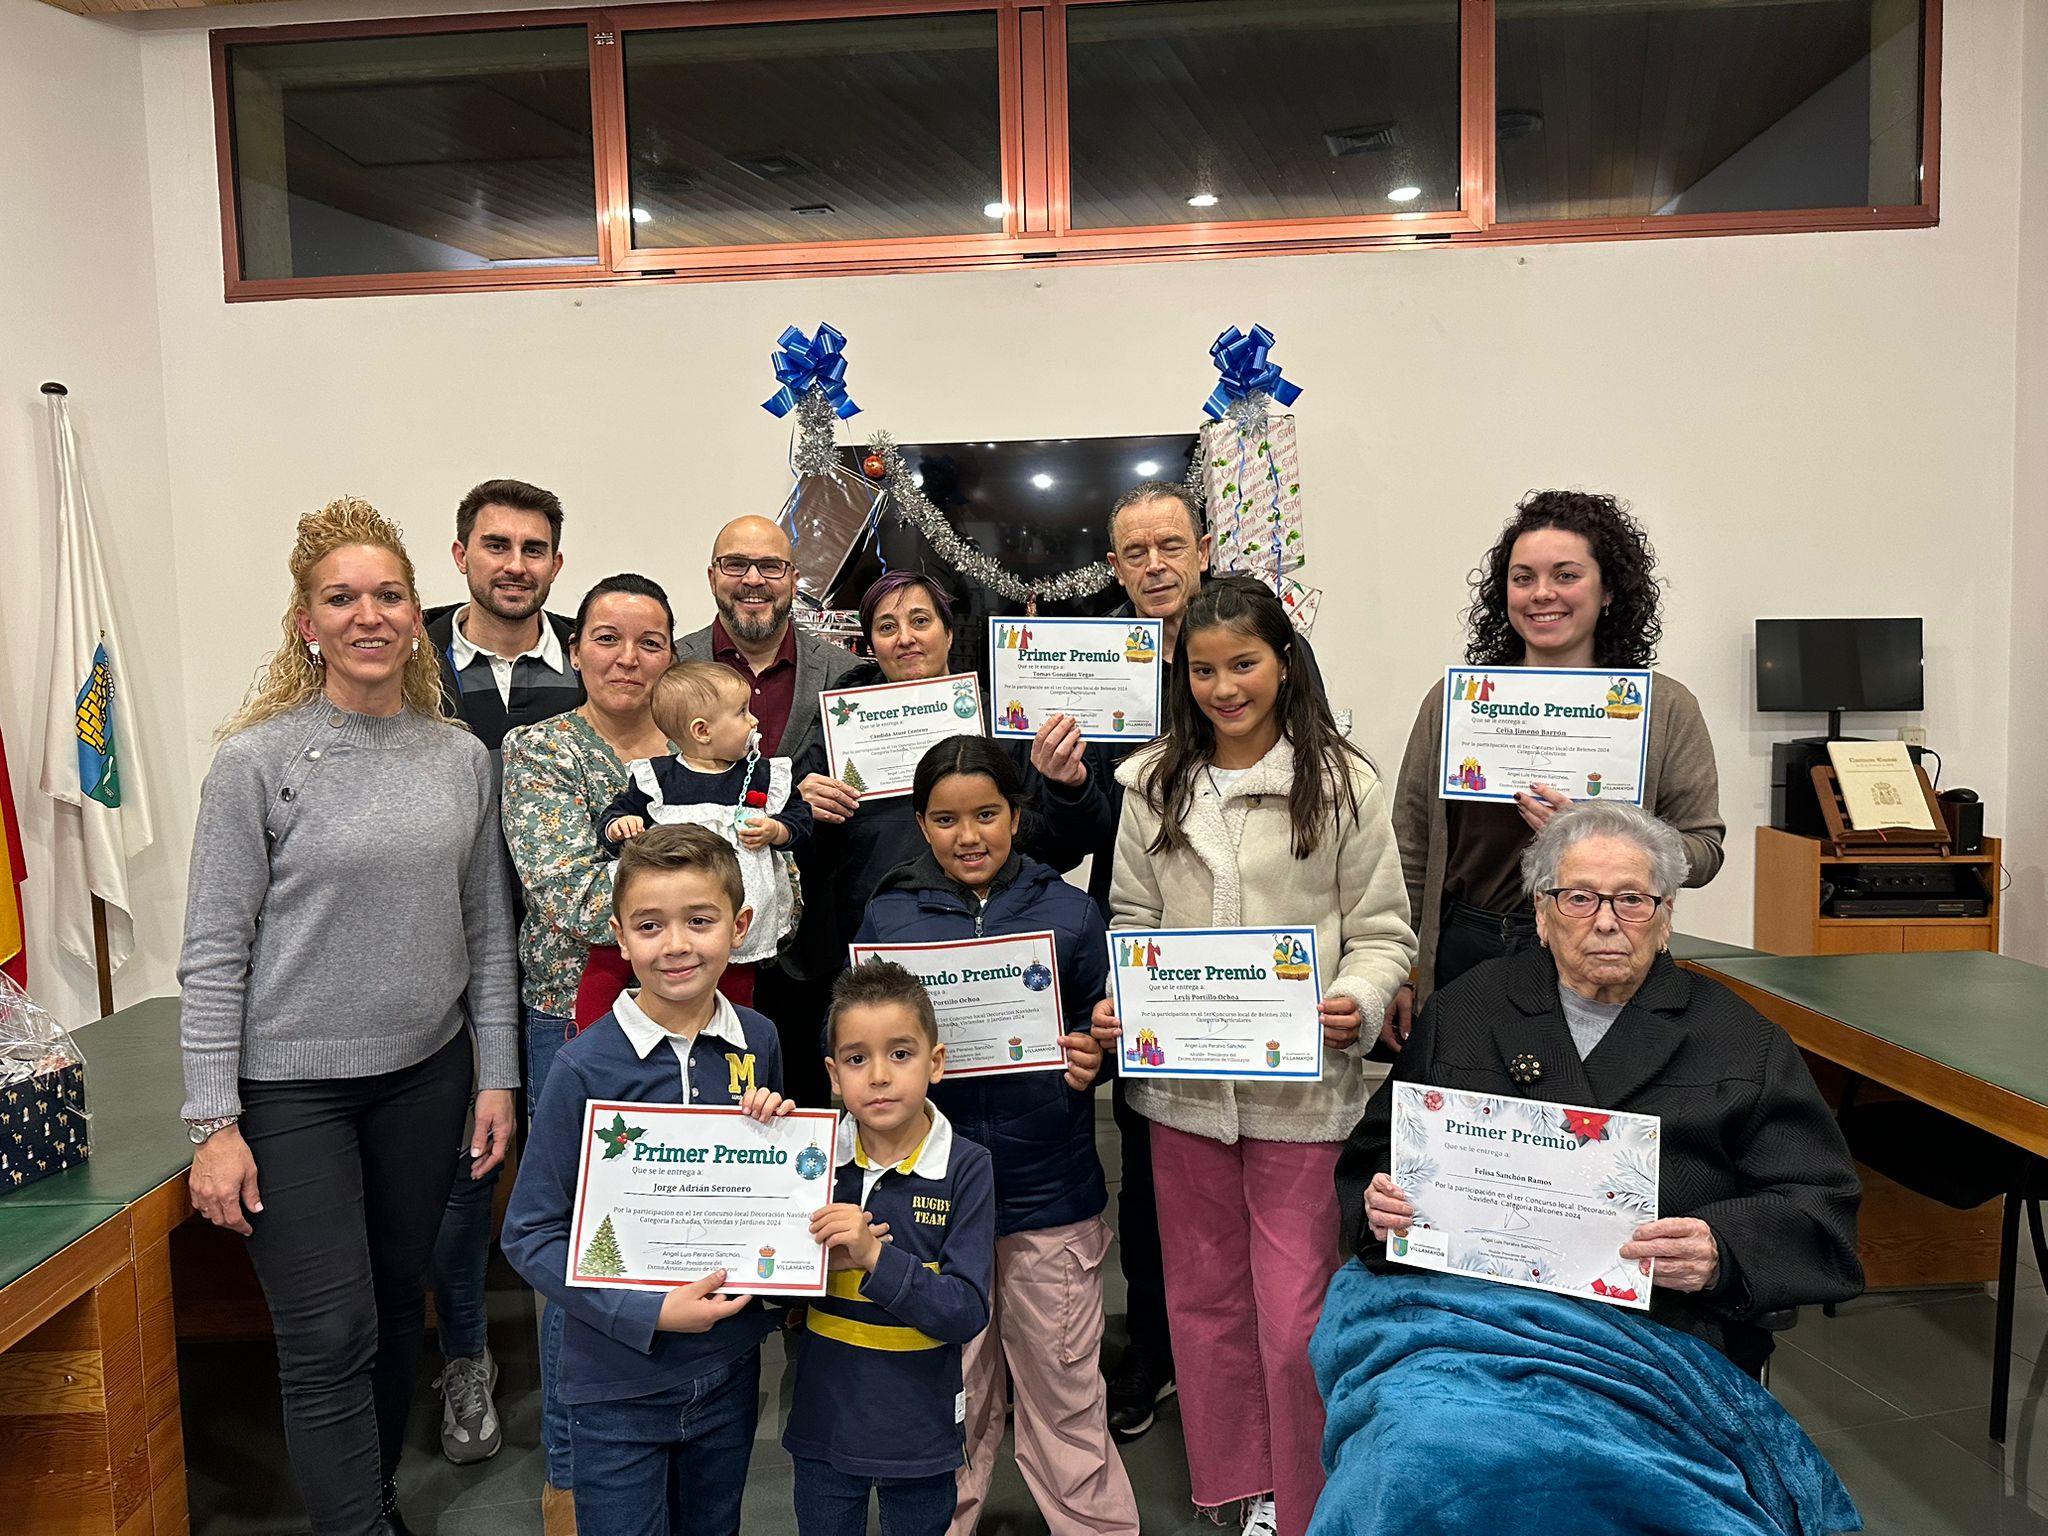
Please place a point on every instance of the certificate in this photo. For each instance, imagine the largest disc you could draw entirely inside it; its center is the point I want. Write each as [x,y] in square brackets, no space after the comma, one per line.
[1103,672]
[998,1000]
[666,1193]
[1218,1002]
[874,736]
[1583,731]
[1528,1193]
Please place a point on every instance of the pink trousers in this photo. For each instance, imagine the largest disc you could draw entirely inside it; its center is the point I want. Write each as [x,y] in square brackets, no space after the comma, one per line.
[1045,1318]
[1249,1234]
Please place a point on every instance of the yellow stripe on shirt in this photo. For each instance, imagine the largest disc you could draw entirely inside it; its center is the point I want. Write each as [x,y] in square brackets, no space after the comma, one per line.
[844,1284]
[829,1325]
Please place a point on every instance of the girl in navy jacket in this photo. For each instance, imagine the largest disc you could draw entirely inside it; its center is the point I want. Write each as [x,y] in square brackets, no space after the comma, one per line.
[1045,1315]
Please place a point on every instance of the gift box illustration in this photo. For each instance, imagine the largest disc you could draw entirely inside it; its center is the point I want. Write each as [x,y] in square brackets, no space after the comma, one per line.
[1145,1051]
[767,1264]
[1469,776]
[1015,718]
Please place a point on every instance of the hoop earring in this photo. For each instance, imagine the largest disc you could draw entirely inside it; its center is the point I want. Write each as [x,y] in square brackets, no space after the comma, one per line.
[313,653]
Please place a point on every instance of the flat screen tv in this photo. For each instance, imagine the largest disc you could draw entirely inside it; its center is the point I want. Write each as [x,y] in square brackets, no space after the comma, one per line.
[1037,507]
[1830,666]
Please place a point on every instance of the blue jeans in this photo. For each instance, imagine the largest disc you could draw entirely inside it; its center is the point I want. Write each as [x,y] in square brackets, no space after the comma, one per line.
[670,1464]
[830,1503]
[546,1033]
[462,1257]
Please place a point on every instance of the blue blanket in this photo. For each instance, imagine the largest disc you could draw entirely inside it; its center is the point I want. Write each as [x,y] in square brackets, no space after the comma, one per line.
[1459,1406]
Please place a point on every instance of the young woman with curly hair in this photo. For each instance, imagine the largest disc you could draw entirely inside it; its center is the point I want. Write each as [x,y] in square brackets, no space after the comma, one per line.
[348,930]
[1570,582]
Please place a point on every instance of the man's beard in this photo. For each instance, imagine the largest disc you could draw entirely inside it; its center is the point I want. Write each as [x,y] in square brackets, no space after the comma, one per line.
[510,606]
[742,625]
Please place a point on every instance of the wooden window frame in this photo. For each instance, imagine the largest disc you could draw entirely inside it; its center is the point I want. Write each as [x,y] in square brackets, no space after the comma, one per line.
[1037,228]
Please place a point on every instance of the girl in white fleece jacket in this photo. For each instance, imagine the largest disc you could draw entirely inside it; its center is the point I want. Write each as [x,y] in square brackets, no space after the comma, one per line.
[1253,811]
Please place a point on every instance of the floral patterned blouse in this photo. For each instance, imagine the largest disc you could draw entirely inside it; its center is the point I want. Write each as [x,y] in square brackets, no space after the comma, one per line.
[559,777]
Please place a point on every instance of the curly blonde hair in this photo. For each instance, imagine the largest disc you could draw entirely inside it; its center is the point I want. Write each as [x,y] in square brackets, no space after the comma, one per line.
[290,678]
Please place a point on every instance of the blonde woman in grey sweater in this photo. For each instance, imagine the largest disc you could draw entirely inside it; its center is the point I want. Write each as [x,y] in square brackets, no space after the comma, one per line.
[348,930]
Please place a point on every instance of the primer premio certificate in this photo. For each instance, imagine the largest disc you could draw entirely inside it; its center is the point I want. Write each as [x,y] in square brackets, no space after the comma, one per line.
[1585,732]
[1217,1002]
[1528,1193]
[874,736]
[997,1000]
[1104,672]
[667,1193]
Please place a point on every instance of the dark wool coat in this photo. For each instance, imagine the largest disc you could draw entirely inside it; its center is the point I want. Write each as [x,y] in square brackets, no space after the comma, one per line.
[1749,1146]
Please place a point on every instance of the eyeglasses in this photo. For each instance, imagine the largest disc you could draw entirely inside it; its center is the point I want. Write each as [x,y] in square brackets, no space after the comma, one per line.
[737,566]
[1629,906]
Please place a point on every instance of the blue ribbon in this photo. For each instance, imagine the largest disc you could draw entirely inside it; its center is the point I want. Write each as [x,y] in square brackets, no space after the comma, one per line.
[1246,371]
[802,361]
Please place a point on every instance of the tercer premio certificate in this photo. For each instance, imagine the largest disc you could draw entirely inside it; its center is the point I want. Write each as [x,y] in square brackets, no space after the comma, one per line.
[1103,672]
[1584,732]
[1528,1193]
[667,1193]
[1218,1002]
[874,736]
[997,1000]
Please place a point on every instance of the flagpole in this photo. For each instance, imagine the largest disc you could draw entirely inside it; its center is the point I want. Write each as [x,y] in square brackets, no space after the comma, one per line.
[102,964]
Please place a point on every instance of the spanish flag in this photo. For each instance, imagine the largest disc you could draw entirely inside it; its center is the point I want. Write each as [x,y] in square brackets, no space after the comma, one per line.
[13,948]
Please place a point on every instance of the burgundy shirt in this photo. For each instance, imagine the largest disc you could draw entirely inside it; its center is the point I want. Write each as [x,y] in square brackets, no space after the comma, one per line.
[774,689]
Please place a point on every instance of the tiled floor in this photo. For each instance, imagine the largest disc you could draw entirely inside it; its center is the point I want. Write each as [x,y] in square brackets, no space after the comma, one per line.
[1894,1390]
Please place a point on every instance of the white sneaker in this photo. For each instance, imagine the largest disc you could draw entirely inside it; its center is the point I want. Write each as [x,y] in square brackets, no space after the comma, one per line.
[469,1419]
[1260,1518]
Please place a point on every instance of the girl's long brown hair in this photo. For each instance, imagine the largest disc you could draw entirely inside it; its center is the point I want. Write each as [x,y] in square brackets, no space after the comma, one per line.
[1323,784]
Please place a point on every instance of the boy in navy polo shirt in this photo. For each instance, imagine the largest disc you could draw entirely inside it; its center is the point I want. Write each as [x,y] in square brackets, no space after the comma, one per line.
[661,1387]
[877,1403]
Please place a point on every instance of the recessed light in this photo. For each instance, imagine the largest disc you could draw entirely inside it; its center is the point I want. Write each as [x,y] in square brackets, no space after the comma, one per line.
[1042,480]
[642,216]
[1149,468]
[1404,194]
[1202,200]
[994,210]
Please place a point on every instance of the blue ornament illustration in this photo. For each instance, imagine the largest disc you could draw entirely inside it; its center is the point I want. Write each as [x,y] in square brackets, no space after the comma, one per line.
[810,1163]
[1037,977]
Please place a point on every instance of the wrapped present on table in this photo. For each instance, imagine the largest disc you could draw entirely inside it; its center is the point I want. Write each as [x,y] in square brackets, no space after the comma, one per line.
[1251,471]
[42,1093]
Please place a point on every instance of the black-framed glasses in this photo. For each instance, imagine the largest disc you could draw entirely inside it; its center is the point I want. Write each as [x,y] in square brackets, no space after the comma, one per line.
[737,566]
[1629,906]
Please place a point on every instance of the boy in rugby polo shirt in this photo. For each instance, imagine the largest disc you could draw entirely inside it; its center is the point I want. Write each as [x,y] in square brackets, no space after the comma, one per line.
[877,1403]
[662,1387]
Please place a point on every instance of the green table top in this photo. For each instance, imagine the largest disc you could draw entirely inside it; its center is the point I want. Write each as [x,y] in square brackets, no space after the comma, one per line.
[1983,1015]
[30,1234]
[1690,946]
[134,1087]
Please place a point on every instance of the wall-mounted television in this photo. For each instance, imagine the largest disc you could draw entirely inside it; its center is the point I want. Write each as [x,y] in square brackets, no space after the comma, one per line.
[1828,666]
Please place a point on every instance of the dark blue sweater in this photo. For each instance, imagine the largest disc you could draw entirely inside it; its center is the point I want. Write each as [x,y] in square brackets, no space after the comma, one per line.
[878,1390]
[1040,1132]
[610,1346]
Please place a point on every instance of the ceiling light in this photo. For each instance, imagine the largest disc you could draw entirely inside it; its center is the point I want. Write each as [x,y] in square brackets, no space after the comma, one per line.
[994,210]
[1042,480]
[1149,468]
[1404,194]
[642,216]
[1202,200]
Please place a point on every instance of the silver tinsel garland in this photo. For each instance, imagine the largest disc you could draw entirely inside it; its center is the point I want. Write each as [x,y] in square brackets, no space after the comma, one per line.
[917,509]
[811,451]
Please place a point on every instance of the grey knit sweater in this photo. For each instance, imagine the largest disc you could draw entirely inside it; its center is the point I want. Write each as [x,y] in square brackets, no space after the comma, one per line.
[349,906]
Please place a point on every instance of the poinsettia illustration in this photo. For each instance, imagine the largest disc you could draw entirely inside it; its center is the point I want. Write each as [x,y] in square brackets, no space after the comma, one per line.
[618,1136]
[1586,1125]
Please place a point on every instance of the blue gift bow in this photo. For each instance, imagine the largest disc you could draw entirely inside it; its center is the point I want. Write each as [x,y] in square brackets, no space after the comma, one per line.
[1246,370]
[802,361]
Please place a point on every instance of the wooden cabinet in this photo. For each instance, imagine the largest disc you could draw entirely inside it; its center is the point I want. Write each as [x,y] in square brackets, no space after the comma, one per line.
[1789,872]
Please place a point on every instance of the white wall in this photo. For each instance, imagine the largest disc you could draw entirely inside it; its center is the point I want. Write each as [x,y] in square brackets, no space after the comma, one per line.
[2026,819]
[78,304]
[1808,424]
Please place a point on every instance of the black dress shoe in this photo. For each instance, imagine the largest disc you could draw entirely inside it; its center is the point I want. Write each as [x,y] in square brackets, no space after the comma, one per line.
[1136,1387]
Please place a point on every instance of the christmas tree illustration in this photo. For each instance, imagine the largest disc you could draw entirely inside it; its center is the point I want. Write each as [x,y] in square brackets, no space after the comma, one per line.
[853,777]
[602,1258]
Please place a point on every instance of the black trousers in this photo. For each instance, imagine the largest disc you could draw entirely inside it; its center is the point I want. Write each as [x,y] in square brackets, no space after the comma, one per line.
[354,1174]
[1137,1233]
[797,1010]
[1470,936]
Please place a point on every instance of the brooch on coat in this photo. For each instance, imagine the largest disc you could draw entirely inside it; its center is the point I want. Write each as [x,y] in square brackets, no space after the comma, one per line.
[1525,1070]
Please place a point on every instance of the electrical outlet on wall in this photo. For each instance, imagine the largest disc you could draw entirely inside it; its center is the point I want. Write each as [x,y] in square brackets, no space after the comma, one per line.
[1913,735]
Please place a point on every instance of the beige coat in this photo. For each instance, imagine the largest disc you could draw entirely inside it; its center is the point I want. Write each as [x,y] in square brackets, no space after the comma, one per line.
[1238,870]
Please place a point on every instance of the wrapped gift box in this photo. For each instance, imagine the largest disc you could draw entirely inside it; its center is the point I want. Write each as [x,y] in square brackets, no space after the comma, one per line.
[1251,477]
[42,1125]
